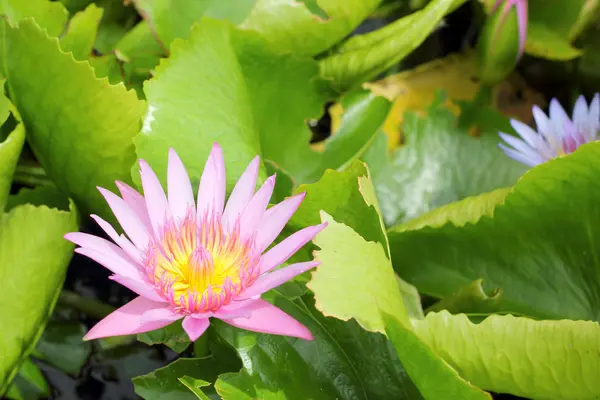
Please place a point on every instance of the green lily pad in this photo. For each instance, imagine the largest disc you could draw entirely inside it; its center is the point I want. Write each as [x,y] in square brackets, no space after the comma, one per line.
[35,257]
[537,242]
[520,356]
[85,144]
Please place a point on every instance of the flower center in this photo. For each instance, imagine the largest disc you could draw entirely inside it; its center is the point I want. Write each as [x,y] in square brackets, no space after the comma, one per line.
[200,266]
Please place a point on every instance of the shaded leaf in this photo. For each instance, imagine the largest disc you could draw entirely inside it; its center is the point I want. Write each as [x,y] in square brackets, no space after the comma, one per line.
[165,381]
[40,195]
[29,384]
[470,299]
[61,345]
[538,359]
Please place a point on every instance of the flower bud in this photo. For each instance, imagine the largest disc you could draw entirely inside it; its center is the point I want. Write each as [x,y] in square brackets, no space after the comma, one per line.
[502,40]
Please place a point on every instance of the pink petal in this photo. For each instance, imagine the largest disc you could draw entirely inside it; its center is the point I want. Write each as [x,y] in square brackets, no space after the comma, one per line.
[211,193]
[156,201]
[522,21]
[195,327]
[127,320]
[276,278]
[136,203]
[120,240]
[256,208]
[242,194]
[129,221]
[139,286]
[181,196]
[158,314]
[111,261]
[279,253]
[267,318]
[275,219]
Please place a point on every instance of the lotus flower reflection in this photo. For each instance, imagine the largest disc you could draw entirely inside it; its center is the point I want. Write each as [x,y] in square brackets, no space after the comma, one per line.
[556,135]
[197,260]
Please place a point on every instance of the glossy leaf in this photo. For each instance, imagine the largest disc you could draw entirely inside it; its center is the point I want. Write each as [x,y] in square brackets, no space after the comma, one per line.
[541,231]
[365,56]
[280,118]
[343,361]
[82,146]
[291,26]
[191,114]
[439,163]
[35,257]
[527,358]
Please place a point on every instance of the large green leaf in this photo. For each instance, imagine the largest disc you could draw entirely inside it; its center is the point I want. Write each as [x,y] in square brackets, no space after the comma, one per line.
[527,358]
[343,361]
[539,244]
[172,19]
[432,375]
[356,280]
[439,163]
[284,93]
[34,258]
[80,127]
[50,15]
[291,27]
[10,149]
[365,56]
[199,97]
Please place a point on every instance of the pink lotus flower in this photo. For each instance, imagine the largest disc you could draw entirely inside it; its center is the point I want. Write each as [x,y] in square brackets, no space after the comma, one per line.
[198,260]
